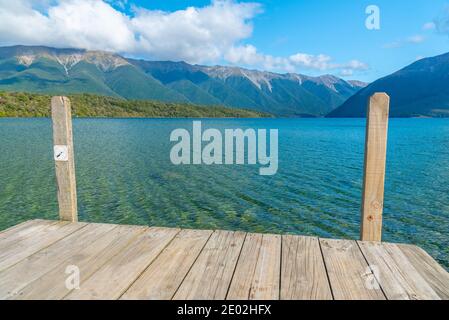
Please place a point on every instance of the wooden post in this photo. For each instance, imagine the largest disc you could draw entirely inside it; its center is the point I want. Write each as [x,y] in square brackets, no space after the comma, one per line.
[374,174]
[64,159]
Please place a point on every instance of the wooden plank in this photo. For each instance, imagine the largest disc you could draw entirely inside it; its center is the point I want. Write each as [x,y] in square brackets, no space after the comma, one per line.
[124,261]
[257,274]
[118,274]
[34,266]
[64,158]
[303,273]
[89,260]
[395,274]
[435,275]
[349,275]
[39,241]
[164,276]
[30,228]
[20,226]
[211,274]
[374,173]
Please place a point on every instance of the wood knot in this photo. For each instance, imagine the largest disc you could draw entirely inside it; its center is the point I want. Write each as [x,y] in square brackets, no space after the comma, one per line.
[376,205]
[370,218]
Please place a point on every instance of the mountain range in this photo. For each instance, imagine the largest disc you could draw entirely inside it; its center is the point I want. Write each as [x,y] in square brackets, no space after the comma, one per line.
[48,70]
[418,90]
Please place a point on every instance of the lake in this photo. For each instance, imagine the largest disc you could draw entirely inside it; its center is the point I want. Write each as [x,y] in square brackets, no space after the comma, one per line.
[124,175]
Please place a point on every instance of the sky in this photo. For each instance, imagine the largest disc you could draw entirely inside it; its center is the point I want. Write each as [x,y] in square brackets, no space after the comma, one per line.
[303,36]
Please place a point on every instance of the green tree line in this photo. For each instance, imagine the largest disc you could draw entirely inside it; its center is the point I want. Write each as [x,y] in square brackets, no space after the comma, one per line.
[22,104]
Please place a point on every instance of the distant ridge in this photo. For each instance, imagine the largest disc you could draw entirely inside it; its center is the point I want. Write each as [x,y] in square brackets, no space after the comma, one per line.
[42,69]
[418,90]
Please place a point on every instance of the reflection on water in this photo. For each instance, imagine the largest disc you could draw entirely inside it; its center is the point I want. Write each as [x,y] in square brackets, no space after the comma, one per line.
[124,175]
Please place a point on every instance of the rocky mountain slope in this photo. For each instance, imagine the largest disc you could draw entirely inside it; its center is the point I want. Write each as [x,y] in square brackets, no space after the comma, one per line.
[66,71]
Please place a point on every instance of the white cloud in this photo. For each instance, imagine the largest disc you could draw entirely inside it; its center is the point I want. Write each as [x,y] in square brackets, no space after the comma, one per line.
[319,62]
[346,73]
[429,26]
[324,63]
[210,34]
[194,34]
[248,55]
[244,54]
[416,39]
[86,24]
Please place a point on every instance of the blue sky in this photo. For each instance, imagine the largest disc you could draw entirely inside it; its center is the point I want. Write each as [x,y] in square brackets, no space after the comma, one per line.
[337,29]
[311,37]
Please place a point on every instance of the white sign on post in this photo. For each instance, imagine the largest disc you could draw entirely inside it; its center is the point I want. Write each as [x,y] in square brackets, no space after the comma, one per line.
[61,153]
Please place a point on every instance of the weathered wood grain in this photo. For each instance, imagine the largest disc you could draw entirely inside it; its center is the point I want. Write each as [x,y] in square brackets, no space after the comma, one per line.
[35,265]
[394,272]
[349,275]
[257,274]
[39,241]
[132,262]
[212,272]
[303,274]
[165,274]
[52,285]
[21,226]
[435,275]
[13,236]
[374,172]
[65,170]
[118,274]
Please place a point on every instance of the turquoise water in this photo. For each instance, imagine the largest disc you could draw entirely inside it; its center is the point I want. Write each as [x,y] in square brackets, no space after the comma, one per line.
[124,175]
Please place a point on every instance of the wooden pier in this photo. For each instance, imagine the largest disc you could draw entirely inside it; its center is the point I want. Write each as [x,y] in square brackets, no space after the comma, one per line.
[135,262]
[67,259]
